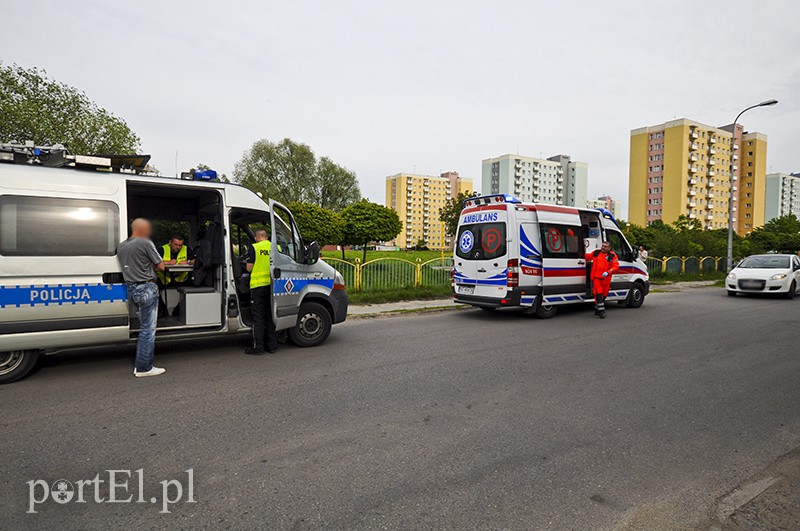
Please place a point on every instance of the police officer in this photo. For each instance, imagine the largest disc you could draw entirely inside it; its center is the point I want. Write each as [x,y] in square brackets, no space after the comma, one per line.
[176,253]
[265,338]
[604,264]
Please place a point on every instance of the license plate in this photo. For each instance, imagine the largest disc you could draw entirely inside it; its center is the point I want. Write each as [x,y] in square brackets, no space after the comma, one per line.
[751,284]
[466,290]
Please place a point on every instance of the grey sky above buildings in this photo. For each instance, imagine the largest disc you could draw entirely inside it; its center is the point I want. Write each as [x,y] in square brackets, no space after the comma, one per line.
[387,87]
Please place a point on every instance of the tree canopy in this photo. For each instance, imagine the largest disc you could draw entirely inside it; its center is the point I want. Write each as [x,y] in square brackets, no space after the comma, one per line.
[35,107]
[288,171]
[366,222]
[685,237]
[451,211]
[316,223]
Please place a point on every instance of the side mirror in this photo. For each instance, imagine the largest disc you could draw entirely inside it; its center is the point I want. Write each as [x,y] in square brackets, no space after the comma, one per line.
[312,253]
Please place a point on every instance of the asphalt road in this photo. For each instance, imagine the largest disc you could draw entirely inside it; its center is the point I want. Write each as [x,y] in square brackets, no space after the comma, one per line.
[448,420]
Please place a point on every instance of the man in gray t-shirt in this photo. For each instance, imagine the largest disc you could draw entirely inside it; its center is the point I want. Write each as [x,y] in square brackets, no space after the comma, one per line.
[137,257]
[139,261]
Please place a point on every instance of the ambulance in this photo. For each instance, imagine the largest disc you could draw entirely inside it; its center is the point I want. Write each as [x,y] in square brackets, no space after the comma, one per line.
[62,217]
[510,254]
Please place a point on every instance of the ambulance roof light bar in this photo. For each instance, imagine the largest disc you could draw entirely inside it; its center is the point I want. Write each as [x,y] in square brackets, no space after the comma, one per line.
[489,199]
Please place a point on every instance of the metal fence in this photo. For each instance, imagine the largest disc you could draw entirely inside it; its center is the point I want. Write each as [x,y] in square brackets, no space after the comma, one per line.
[392,273]
[691,265]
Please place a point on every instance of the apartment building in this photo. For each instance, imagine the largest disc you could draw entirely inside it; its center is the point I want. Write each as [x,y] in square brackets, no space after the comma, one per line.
[684,167]
[417,200]
[782,195]
[557,180]
[604,201]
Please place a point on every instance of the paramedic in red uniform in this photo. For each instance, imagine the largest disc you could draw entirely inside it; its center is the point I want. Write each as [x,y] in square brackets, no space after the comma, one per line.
[604,264]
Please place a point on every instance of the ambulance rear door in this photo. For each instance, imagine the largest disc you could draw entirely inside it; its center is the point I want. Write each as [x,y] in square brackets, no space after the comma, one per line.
[482,251]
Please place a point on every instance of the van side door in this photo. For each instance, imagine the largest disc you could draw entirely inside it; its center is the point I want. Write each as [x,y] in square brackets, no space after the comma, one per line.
[289,272]
[60,282]
[564,261]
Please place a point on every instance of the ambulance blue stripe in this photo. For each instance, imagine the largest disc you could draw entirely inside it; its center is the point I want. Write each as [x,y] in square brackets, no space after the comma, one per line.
[525,244]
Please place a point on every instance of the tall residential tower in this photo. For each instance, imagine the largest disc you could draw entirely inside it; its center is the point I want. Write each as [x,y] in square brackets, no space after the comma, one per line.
[417,200]
[558,180]
[683,167]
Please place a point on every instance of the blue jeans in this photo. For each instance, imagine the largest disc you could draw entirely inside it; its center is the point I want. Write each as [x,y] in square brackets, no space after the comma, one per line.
[145,298]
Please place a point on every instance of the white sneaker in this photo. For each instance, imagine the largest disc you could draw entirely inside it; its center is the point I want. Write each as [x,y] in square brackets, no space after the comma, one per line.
[155,371]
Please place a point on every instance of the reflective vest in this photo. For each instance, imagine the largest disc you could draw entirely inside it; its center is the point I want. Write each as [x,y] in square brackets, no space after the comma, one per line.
[602,263]
[166,278]
[260,274]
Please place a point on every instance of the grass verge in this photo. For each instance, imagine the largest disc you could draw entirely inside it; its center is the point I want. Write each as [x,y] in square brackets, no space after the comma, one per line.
[684,277]
[400,294]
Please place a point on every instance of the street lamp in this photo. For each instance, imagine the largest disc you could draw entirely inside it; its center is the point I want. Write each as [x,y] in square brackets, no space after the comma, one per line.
[732,176]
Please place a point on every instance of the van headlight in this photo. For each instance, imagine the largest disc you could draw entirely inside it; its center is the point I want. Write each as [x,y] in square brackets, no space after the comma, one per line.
[779,276]
[731,276]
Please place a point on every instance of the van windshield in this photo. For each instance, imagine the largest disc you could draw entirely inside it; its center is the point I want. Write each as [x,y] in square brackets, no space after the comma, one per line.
[481,241]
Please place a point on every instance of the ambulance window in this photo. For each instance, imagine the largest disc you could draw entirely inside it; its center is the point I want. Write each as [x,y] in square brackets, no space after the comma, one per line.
[50,226]
[617,243]
[481,241]
[561,241]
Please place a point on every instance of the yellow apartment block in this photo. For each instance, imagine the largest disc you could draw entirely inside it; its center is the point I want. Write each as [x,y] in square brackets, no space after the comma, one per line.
[417,200]
[684,167]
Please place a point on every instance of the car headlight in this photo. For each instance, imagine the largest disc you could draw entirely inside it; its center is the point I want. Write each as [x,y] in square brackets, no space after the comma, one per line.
[731,276]
[779,276]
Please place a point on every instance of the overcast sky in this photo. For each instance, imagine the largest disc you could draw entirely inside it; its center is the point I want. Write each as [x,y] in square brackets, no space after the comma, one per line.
[425,86]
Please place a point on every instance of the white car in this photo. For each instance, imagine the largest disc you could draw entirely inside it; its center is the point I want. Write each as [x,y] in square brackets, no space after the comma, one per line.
[765,273]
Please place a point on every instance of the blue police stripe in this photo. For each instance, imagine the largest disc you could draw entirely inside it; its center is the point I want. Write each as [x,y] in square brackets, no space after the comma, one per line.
[60,294]
[292,286]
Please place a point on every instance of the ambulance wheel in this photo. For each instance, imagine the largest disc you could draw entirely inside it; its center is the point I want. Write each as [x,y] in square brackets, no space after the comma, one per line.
[545,311]
[636,296]
[16,364]
[313,325]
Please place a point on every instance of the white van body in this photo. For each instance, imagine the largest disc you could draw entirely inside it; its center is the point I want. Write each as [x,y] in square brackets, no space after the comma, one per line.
[60,282]
[531,255]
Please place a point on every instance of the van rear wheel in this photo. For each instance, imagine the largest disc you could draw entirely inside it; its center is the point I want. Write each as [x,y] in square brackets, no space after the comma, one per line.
[544,311]
[313,325]
[16,364]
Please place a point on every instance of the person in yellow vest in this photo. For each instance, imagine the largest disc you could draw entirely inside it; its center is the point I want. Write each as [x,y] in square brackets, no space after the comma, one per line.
[265,338]
[174,253]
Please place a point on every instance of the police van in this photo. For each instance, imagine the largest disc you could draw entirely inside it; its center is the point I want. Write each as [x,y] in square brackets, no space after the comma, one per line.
[533,256]
[60,282]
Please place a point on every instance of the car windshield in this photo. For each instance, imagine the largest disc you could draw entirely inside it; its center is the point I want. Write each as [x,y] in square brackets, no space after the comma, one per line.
[765,262]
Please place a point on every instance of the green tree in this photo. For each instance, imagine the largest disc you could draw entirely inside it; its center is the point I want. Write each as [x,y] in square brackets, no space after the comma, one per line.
[316,223]
[781,234]
[38,108]
[366,222]
[337,186]
[788,224]
[451,211]
[288,171]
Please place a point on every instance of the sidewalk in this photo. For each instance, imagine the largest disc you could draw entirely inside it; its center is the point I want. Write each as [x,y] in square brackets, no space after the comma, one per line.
[402,306]
[448,304]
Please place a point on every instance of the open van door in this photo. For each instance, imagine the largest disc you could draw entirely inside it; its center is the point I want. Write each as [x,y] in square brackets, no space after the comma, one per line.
[289,273]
